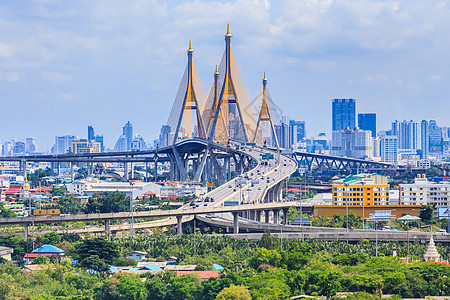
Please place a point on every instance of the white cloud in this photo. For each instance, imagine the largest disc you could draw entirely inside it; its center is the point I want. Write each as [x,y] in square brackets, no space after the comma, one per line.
[15,76]
[6,50]
[57,77]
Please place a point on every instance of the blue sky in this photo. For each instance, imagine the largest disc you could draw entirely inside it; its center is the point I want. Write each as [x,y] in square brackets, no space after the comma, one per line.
[65,65]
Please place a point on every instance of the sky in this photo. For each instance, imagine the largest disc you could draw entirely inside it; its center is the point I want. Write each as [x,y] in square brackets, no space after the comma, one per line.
[65,65]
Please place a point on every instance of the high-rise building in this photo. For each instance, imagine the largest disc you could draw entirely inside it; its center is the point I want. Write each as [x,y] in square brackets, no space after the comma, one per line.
[376,146]
[7,148]
[30,145]
[128,133]
[63,143]
[435,139]
[121,144]
[19,147]
[300,130]
[165,136]
[91,134]
[320,144]
[355,143]
[343,114]
[368,121]
[84,147]
[388,148]
[408,134]
[282,132]
[425,138]
[138,143]
[99,139]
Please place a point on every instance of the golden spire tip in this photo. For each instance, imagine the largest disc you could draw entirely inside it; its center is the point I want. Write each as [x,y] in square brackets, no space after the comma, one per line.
[217,71]
[228,31]
[190,46]
[265,78]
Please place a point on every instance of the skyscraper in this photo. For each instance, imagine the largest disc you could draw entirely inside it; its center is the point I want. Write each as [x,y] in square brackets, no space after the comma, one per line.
[352,143]
[99,139]
[91,134]
[63,143]
[368,121]
[30,145]
[343,114]
[388,145]
[435,139]
[408,134]
[128,133]
[300,131]
[425,138]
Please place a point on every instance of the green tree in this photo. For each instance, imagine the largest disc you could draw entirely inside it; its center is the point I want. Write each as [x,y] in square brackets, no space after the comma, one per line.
[234,292]
[8,288]
[183,287]
[6,212]
[426,213]
[130,287]
[262,256]
[269,242]
[51,238]
[107,203]
[41,260]
[69,205]
[58,191]
[270,285]
[94,262]
[104,249]
[157,288]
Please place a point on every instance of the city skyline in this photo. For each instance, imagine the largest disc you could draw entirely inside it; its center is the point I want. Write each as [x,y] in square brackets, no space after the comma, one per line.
[67,66]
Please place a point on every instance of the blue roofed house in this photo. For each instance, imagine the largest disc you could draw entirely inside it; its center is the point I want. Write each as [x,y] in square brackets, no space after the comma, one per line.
[45,250]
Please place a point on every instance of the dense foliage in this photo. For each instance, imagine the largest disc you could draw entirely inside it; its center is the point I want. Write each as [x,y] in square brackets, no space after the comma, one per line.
[253,270]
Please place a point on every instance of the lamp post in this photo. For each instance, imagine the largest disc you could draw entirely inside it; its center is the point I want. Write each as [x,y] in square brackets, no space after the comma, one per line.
[346,202]
[363,200]
[376,239]
[132,209]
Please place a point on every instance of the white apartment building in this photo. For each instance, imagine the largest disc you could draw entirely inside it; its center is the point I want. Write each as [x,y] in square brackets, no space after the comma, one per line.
[424,192]
[389,148]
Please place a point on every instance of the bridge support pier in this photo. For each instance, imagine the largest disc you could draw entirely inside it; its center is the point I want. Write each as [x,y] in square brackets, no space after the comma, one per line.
[125,170]
[155,172]
[108,229]
[132,170]
[276,214]
[25,232]
[235,222]
[267,215]
[71,171]
[258,216]
[179,225]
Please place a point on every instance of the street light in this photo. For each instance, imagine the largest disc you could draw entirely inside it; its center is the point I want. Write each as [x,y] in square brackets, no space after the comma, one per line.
[132,208]
[376,238]
[346,202]
[364,200]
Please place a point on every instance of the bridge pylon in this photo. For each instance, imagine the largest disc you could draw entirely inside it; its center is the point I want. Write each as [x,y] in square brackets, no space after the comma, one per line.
[265,129]
[185,119]
[228,112]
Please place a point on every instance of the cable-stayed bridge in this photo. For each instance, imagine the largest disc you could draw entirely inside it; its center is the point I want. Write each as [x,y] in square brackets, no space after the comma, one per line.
[215,138]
